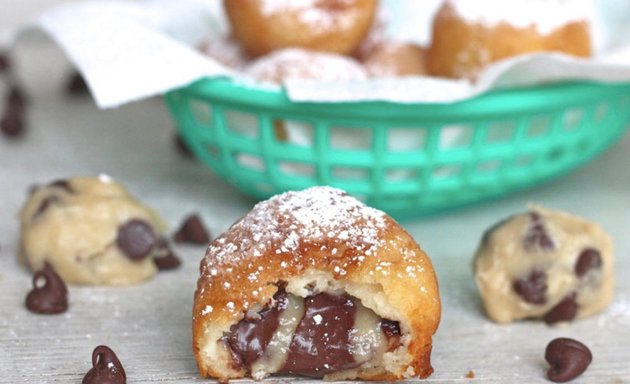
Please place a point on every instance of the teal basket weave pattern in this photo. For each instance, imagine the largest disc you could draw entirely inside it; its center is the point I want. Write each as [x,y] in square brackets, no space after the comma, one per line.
[405,159]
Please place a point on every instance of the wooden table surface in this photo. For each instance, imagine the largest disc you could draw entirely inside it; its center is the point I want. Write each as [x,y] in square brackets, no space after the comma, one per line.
[148,325]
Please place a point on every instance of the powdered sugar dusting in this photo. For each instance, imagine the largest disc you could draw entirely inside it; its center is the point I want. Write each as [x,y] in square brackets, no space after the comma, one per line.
[546,15]
[226,51]
[286,223]
[320,14]
[298,63]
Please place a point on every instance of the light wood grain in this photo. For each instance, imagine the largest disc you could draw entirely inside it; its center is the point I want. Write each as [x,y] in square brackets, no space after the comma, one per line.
[149,325]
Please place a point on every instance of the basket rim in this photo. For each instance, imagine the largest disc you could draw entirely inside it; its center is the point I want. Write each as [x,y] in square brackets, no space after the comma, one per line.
[507,102]
[269,104]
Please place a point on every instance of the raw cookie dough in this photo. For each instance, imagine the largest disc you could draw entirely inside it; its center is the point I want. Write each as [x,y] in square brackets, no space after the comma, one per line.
[91,231]
[544,264]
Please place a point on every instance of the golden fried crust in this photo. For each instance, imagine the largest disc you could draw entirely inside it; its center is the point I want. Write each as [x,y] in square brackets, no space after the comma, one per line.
[317,229]
[337,26]
[463,49]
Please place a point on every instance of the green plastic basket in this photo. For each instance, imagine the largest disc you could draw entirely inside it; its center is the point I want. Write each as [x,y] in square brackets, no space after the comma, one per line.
[407,159]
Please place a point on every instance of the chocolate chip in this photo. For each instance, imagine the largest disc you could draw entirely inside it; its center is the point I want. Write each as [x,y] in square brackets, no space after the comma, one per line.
[12,124]
[106,368]
[136,239]
[76,85]
[192,231]
[537,236]
[532,288]
[563,311]
[390,328]
[587,260]
[44,205]
[170,261]
[164,258]
[5,63]
[568,359]
[12,121]
[16,100]
[181,146]
[62,184]
[49,298]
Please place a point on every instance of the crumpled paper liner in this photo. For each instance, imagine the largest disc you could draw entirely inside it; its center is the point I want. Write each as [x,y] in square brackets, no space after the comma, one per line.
[128,51]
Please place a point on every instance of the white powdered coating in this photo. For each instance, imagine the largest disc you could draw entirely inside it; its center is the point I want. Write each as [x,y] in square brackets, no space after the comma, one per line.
[546,15]
[226,51]
[311,12]
[270,7]
[303,64]
[286,222]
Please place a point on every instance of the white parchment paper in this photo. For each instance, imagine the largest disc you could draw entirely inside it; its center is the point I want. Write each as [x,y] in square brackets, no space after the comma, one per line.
[132,50]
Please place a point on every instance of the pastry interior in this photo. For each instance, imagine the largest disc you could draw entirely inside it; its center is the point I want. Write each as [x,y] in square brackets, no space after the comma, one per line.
[313,330]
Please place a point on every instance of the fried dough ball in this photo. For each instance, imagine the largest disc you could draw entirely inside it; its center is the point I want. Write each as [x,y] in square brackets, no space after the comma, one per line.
[262,26]
[463,45]
[315,283]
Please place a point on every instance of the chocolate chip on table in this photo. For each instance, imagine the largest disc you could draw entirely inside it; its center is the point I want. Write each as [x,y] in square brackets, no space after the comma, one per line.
[588,259]
[106,368]
[5,63]
[15,99]
[192,231]
[164,258]
[76,85]
[537,236]
[12,124]
[568,359]
[563,311]
[136,239]
[12,120]
[164,263]
[181,146]
[532,288]
[49,298]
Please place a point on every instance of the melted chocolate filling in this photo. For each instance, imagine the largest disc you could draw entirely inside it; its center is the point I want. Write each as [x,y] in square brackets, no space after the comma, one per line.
[322,340]
[390,328]
[250,337]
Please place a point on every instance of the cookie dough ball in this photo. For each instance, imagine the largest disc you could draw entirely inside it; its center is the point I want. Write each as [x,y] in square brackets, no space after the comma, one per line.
[396,59]
[262,26]
[545,265]
[469,35]
[315,283]
[91,231]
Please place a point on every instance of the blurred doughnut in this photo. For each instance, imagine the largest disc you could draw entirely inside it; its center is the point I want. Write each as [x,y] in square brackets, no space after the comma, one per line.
[468,36]
[262,26]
